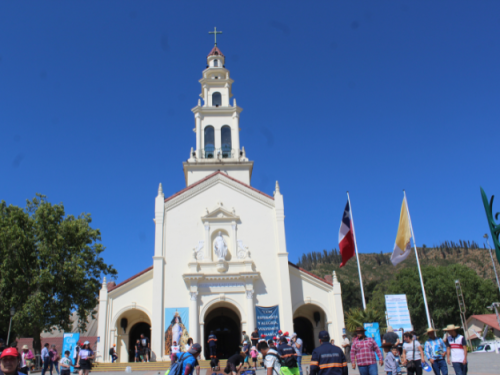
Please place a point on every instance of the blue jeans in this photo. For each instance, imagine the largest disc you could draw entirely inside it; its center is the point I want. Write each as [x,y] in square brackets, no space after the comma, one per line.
[440,366]
[299,363]
[46,364]
[398,361]
[460,368]
[368,370]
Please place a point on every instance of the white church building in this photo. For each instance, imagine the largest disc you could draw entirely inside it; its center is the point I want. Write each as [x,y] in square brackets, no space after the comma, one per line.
[220,258]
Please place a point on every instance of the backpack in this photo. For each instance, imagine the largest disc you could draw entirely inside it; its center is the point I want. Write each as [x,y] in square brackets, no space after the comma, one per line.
[110,351]
[289,360]
[176,368]
[280,360]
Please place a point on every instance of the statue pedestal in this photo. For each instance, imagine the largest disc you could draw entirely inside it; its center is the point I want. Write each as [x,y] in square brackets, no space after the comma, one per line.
[221,265]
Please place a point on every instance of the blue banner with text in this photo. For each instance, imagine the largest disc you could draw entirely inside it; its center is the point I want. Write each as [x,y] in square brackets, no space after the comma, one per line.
[268,320]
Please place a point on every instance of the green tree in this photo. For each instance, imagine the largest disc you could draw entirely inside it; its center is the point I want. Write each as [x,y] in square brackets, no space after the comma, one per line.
[50,267]
[439,285]
[356,317]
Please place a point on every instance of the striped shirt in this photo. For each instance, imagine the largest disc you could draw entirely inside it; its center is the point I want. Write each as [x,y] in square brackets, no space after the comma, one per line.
[435,349]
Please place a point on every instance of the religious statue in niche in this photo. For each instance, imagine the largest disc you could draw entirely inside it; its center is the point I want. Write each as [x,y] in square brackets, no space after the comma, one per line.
[177,332]
[220,247]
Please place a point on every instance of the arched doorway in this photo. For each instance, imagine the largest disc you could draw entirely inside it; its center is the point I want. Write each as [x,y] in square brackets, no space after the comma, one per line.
[304,330]
[134,335]
[226,325]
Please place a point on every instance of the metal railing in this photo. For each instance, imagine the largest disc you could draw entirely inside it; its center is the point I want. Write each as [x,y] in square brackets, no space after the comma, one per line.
[218,153]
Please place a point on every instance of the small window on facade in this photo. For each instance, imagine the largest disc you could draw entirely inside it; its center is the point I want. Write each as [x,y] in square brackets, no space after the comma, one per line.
[226,144]
[216,62]
[209,142]
[216,99]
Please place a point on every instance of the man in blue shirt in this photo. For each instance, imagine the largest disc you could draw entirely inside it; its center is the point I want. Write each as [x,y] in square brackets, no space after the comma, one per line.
[189,361]
[435,351]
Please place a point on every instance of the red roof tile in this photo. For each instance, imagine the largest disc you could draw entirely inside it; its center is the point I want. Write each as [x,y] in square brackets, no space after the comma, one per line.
[215,52]
[309,273]
[209,177]
[131,278]
[489,319]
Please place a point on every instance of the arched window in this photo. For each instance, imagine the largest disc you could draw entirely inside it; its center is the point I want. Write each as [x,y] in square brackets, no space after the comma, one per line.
[216,62]
[226,144]
[209,142]
[216,99]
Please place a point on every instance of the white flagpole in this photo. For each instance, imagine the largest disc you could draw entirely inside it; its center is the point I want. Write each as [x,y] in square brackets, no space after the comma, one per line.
[418,263]
[357,257]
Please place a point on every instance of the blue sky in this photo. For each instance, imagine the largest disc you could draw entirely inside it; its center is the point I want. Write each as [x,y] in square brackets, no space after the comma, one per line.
[366,96]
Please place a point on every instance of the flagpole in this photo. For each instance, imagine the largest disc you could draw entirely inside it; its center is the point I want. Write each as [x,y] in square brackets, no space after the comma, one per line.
[418,263]
[357,257]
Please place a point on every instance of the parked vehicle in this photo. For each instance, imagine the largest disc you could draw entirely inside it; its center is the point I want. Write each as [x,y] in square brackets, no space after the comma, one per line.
[487,347]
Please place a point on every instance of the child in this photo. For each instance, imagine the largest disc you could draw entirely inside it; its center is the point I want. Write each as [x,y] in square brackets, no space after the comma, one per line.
[246,350]
[254,353]
[65,363]
[391,364]
[138,351]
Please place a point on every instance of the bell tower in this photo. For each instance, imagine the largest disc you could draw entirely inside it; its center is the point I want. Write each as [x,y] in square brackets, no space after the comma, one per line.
[217,127]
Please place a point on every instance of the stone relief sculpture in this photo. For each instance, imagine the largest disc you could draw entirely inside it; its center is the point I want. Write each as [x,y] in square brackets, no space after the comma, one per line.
[243,252]
[220,247]
[198,251]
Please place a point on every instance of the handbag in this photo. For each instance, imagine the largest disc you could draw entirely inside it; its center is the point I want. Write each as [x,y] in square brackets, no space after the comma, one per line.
[411,365]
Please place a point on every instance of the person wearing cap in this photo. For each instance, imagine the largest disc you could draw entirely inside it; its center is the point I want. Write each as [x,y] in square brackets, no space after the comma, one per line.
[456,350]
[212,344]
[363,352]
[297,345]
[26,360]
[84,356]
[346,344]
[9,362]
[289,357]
[112,353]
[245,337]
[188,360]
[435,351]
[328,359]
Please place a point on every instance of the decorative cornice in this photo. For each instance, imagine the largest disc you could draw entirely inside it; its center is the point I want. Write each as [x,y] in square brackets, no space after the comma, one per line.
[214,180]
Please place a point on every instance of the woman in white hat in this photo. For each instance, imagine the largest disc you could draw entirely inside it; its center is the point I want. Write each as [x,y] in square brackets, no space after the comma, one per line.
[26,360]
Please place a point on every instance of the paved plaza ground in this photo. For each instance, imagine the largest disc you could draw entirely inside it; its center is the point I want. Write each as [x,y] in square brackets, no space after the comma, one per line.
[479,364]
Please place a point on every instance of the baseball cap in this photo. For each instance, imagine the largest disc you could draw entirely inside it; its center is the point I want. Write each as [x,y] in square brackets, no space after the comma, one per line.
[10,352]
[195,348]
[324,335]
[86,343]
[280,331]
[263,336]
[286,333]
[294,334]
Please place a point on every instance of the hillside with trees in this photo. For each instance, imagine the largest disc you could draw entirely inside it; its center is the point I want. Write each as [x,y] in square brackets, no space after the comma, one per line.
[441,265]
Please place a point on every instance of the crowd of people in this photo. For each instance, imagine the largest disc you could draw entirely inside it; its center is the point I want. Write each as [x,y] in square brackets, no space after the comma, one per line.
[279,355]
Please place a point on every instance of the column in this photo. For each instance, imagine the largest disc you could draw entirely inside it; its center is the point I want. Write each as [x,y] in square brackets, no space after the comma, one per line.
[158,281]
[202,340]
[337,311]
[235,134]
[193,316]
[282,260]
[101,322]
[208,243]
[198,135]
[234,243]
[250,311]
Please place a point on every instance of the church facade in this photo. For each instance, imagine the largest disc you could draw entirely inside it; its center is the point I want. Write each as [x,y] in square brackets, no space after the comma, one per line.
[220,256]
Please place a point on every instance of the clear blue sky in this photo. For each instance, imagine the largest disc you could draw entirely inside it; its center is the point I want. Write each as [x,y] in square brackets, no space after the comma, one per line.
[366,96]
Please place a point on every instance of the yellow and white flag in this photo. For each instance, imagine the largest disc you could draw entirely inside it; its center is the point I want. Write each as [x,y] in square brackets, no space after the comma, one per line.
[402,246]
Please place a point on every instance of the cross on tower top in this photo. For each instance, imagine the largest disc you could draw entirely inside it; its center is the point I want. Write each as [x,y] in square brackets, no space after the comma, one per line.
[215,32]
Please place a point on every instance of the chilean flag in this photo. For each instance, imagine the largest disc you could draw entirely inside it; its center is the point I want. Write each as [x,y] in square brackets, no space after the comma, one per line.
[346,238]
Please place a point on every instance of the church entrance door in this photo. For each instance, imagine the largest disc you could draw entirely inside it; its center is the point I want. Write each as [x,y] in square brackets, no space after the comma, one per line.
[134,335]
[226,325]
[304,329]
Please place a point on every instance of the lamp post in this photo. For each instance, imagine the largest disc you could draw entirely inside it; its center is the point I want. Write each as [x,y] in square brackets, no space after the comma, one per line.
[492,260]
[12,312]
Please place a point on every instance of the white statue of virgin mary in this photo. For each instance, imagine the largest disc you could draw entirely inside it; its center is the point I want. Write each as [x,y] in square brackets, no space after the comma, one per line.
[220,247]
